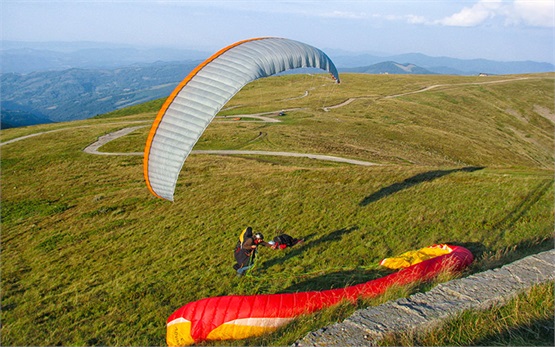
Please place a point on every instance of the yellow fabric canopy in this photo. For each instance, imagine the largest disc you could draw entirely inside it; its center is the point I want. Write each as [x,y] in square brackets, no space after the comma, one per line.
[414,257]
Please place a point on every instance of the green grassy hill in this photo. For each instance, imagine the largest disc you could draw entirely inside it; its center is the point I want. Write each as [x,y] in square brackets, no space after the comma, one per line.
[90,258]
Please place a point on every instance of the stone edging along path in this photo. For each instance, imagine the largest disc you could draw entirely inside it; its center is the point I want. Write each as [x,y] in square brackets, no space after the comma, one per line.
[422,311]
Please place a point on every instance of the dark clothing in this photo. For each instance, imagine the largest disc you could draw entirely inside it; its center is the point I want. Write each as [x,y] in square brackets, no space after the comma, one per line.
[283,241]
[246,252]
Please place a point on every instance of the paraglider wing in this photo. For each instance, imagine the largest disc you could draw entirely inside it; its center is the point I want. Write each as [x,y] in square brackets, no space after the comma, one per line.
[241,316]
[198,98]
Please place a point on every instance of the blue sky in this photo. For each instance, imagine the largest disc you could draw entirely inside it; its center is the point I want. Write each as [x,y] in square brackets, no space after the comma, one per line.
[491,29]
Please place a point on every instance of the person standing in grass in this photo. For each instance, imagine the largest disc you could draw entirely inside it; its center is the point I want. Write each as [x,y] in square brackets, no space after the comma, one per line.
[245,251]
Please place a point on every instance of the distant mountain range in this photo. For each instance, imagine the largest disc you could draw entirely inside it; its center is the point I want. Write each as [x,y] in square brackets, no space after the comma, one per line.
[389,67]
[54,82]
[26,57]
[57,96]
[445,65]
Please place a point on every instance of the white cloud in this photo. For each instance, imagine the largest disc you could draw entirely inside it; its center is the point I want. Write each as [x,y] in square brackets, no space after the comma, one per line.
[473,16]
[476,12]
[539,13]
[344,15]
[414,19]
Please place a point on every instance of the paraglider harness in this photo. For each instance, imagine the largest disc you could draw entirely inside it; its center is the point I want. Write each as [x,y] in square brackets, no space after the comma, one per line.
[244,257]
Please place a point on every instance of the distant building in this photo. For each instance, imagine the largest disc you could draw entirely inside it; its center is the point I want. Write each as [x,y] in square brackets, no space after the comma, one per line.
[483,74]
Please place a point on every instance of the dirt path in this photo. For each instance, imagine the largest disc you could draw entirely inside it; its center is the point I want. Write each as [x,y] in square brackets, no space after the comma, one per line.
[264,116]
[348,101]
[344,103]
[287,154]
[455,85]
[33,135]
[61,129]
[102,140]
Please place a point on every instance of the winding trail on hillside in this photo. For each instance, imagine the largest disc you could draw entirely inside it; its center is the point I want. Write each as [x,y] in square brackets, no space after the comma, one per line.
[258,117]
[62,129]
[435,86]
[102,140]
[454,85]
[269,117]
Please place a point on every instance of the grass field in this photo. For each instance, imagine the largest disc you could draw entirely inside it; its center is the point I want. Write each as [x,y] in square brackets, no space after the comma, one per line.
[89,257]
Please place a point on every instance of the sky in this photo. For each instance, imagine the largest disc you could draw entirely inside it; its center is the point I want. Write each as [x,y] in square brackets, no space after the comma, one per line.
[505,30]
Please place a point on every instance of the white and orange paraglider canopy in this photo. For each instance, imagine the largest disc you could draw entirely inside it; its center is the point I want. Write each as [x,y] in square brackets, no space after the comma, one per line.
[198,98]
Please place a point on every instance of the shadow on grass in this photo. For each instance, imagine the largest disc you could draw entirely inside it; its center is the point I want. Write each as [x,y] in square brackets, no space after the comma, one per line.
[489,259]
[412,181]
[476,248]
[521,209]
[338,279]
[344,278]
[486,259]
[309,243]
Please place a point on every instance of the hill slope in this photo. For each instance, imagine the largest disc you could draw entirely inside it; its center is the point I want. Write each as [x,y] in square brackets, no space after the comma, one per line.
[90,258]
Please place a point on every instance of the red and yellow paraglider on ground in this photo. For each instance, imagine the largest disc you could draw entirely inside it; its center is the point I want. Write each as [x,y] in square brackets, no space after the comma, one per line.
[243,316]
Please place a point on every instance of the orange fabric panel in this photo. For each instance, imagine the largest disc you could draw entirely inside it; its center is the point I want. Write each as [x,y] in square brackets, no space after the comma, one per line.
[171,98]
